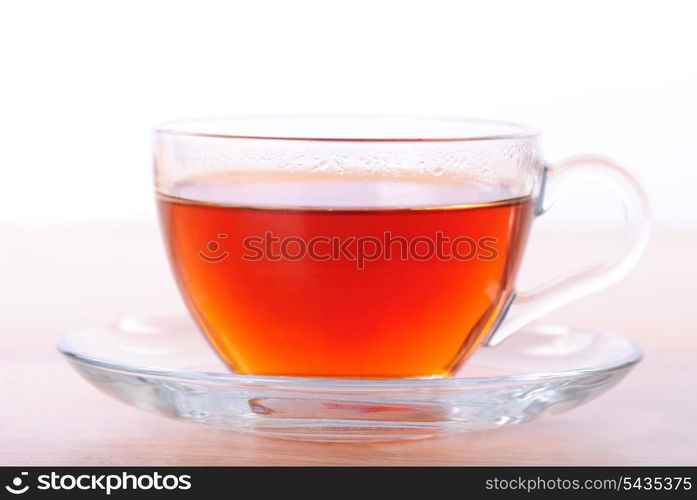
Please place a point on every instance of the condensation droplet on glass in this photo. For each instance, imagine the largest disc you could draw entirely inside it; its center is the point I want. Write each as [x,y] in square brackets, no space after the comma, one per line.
[319,167]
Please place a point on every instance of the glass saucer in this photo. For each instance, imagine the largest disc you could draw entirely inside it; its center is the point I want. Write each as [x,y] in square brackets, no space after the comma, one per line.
[164,365]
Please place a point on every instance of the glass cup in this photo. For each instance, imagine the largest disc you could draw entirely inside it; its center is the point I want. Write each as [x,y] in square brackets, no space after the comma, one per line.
[366,246]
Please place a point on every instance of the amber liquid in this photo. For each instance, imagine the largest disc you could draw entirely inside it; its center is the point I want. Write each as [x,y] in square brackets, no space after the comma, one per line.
[396,317]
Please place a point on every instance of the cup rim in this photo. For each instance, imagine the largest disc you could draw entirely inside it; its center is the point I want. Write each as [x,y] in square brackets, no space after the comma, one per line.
[451,128]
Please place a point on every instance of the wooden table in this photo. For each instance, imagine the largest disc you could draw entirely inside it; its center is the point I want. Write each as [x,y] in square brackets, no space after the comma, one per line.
[55,279]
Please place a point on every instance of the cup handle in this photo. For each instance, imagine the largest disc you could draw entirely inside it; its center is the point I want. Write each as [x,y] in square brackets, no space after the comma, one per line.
[525,306]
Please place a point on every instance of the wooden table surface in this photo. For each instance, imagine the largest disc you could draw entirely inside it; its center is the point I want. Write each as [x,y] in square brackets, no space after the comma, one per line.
[55,279]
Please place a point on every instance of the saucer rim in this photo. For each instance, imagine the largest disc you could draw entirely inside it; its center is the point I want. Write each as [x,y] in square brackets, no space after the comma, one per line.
[634,356]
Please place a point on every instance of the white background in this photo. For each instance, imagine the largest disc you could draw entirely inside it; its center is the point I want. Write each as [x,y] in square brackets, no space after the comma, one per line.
[82,82]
